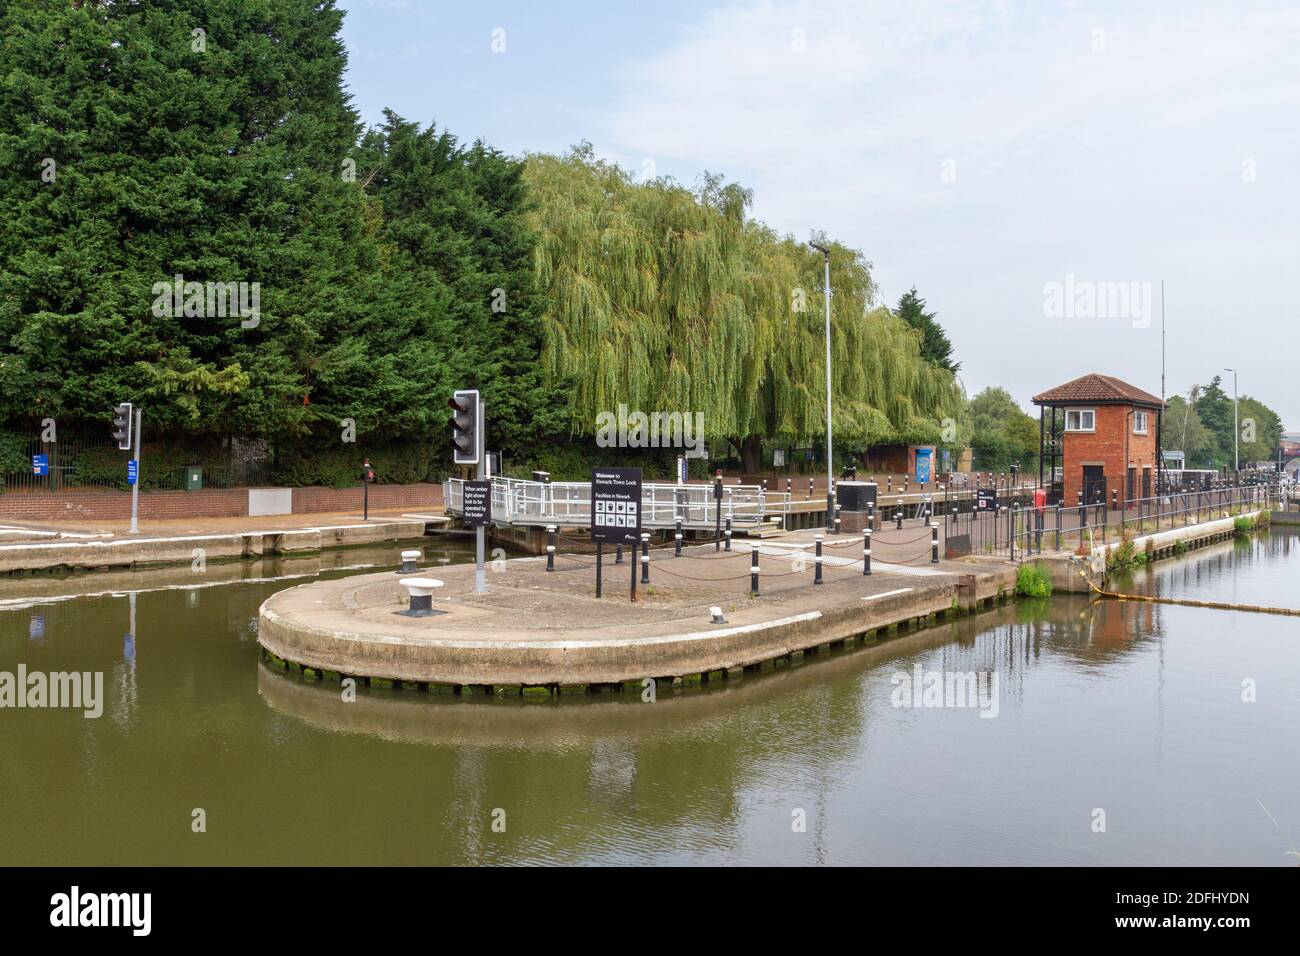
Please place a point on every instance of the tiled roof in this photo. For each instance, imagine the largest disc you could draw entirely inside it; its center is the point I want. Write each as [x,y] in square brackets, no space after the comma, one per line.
[1101,389]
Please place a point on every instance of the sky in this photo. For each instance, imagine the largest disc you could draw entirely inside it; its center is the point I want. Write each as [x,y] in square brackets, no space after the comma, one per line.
[1035,170]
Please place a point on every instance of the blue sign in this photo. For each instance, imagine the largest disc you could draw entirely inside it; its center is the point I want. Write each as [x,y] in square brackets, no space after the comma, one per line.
[923,465]
[132,471]
[40,464]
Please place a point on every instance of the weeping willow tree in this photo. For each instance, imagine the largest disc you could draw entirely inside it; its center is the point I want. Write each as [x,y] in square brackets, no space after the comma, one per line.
[668,299]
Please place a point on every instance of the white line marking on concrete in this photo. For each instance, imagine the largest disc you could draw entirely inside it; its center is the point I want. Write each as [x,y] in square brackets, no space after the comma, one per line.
[884,594]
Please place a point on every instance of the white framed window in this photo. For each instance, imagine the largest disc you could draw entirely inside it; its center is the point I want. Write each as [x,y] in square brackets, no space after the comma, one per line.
[1139,423]
[1080,419]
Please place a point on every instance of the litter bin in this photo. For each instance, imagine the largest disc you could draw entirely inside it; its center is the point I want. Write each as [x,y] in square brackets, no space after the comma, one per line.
[194,479]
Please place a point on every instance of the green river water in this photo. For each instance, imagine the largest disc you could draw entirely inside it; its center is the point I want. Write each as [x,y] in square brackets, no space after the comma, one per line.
[1136,711]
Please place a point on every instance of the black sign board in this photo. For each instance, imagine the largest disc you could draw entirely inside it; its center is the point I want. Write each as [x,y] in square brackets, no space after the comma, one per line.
[616,505]
[986,499]
[477,501]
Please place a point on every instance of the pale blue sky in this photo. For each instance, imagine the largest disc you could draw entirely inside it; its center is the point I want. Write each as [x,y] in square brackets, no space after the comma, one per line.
[980,151]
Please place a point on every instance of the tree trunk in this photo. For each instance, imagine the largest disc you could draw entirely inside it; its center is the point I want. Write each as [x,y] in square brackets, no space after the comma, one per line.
[751,454]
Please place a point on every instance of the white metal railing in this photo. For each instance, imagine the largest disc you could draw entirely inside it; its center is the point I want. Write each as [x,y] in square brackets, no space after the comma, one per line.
[523,501]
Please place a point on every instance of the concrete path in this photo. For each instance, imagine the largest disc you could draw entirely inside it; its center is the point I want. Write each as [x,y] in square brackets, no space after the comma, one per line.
[540,628]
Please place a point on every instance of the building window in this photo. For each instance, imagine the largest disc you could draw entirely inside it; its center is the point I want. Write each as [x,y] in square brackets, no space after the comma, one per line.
[1139,423]
[1080,420]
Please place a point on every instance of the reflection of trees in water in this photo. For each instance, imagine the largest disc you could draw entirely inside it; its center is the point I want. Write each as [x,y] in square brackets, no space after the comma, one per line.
[578,775]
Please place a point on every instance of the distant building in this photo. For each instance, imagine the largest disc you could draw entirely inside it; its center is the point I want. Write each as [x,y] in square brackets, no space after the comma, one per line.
[1099,436]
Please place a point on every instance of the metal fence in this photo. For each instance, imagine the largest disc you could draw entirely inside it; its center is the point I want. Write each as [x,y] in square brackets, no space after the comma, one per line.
[1087,525]
[91,461]
[520,501]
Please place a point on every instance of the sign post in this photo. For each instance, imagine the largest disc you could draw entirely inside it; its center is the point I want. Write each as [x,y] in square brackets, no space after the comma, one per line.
[133,476]
[616,510]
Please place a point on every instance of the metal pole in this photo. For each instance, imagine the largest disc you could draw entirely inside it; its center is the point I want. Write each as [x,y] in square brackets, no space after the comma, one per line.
[135,488]
[480,533]
[600,547]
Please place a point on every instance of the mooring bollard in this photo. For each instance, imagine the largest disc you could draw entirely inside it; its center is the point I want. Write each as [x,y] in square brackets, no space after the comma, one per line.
[678,538]
[817,562]
[810,487]
[409,559]
[898,519]
[727,533]
[421,594]
[934,542]
[645,557]
[550,547]
[753,570]
[866,550]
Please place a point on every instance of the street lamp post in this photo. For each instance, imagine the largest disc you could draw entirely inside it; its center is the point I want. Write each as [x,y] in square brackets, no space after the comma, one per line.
[830,468]
[1236,426]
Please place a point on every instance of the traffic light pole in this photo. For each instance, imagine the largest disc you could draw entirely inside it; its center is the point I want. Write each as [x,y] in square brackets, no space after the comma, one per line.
[135,488]
[480,533]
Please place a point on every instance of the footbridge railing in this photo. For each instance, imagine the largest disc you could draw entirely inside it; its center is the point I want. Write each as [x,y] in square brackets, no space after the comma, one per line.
[519,501]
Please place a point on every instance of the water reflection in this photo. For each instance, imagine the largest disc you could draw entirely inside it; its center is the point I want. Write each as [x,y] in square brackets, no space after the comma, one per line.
[1131,707]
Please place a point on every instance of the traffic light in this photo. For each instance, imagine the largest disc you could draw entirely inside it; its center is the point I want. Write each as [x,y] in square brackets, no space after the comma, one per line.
[122,423]
[466,426]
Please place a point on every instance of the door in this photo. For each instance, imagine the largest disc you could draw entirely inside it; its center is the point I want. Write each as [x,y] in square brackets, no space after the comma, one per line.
[1094,484]
[1130,488]
[1146,482]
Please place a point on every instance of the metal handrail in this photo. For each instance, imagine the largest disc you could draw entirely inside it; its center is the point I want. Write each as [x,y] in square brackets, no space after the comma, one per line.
[568,503]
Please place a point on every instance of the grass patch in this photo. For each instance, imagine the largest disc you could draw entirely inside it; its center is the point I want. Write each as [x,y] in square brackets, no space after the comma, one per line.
[1126,557]
[1033,581]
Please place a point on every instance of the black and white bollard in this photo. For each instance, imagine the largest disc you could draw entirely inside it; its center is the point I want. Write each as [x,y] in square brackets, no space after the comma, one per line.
[866,551]
[409,559]
[645,557]
[817,562]
[420,591]
[677,536]
[550,547]
[934,542]
[898,520]
[728,535]
[753,570]
[810,487]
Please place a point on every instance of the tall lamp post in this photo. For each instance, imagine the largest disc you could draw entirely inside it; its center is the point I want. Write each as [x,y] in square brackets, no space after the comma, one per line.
[830,468]
[1236,427]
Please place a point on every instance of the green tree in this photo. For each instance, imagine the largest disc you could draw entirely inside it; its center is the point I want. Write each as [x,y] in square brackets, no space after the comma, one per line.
[666,298]
[201,138]
[1183,430]
[1001,433]
[935,346]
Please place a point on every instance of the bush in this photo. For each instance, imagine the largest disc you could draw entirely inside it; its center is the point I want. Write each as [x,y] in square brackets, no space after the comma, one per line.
[1033,581]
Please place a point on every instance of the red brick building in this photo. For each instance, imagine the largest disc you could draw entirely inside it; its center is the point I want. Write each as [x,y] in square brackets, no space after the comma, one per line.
[1101,436]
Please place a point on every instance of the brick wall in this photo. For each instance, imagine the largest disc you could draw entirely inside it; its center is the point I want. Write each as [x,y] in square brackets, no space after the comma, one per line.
[1106,447]
[208,503]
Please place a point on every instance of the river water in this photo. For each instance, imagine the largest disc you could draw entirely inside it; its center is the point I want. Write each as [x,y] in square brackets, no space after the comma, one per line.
[1118,734]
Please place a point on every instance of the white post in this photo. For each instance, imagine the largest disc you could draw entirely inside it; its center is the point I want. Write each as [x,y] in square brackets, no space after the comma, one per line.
[135,488]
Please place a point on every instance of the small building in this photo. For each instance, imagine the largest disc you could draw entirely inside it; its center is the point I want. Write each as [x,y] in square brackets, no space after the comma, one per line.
[1100,436]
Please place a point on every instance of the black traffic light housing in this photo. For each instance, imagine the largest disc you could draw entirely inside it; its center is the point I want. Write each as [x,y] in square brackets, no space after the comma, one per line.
[123,416]
[466,426]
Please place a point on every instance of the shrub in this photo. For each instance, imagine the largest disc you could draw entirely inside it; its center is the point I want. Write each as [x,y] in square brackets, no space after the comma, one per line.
[1033,581]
